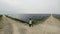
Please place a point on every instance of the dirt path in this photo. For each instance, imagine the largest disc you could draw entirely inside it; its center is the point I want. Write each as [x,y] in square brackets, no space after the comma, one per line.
[18,27]
[6,26]
[50,26]
[52,21]
[13,23]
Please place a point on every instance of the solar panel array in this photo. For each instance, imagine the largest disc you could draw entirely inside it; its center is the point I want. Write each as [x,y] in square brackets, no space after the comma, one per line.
[25,17]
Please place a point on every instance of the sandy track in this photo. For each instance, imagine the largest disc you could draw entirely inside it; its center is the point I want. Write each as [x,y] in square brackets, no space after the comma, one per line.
[50,26]
[18,27]
[15,27]
[6,26]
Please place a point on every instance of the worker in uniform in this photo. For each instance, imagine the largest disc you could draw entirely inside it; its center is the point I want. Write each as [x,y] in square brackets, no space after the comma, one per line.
[30,22]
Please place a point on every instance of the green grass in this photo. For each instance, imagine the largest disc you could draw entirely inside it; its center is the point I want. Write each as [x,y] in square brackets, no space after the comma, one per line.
[0,17]
[1,22]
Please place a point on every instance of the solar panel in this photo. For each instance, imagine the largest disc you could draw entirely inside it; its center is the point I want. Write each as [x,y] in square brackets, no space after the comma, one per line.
[25,17]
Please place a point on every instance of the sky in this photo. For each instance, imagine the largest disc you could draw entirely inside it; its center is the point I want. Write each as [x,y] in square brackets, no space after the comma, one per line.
[29,6]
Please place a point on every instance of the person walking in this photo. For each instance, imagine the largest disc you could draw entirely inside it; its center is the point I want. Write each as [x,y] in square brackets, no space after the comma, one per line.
[30,22]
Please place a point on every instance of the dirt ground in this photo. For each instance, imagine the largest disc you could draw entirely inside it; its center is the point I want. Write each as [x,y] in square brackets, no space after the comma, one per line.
[50,26]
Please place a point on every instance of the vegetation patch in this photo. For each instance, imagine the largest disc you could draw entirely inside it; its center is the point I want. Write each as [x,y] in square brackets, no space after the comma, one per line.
[1,22]
[0,17]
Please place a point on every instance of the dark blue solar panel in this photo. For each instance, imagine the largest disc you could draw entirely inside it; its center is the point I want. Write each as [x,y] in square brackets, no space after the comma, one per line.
[25,17]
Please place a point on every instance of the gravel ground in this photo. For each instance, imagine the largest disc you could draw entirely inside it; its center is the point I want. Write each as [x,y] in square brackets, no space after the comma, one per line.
[50,26]
[6,26]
